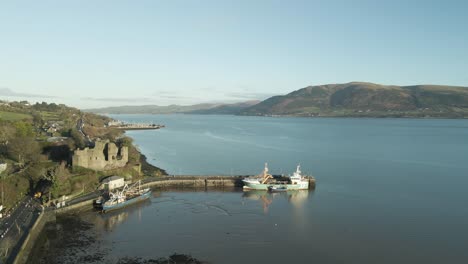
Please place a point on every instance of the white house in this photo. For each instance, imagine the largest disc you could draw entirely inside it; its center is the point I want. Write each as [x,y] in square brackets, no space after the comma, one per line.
[3,167]
[113,182]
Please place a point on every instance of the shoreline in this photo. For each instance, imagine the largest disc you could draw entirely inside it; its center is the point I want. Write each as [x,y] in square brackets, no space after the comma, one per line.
[148,169]
[305,116]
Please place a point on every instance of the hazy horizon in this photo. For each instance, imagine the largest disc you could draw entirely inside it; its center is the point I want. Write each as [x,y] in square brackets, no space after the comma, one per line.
[91,54]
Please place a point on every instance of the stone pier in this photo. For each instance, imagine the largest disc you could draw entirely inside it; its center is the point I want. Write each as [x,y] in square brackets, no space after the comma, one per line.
[201,181]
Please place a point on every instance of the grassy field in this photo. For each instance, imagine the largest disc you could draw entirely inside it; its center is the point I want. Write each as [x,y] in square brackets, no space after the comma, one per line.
[50,116]
[13,116]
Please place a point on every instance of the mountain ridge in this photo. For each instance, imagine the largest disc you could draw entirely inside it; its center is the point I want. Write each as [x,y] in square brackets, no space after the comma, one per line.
[353,99]
[204,108]
[368,99]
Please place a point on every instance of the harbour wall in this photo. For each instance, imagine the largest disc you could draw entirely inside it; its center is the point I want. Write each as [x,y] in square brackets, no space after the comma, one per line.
[28,243]
[75,206]
[193,181]
[201,181]
[48,215]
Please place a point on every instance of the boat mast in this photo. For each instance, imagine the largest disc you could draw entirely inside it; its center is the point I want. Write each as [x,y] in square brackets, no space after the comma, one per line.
[266,176]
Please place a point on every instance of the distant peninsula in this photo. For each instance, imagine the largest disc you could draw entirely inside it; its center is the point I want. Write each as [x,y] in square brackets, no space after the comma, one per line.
[214,109]
[354,99]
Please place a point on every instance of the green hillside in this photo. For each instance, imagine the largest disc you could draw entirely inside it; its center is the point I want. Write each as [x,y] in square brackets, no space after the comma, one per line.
[36,146]
[368,100]
[11,116]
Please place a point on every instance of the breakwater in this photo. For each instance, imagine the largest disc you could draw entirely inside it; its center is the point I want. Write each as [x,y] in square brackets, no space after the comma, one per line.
[193,181]
[138,126]
[201,181]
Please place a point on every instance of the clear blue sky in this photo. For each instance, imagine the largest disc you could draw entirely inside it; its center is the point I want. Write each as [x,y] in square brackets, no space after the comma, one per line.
[100,53]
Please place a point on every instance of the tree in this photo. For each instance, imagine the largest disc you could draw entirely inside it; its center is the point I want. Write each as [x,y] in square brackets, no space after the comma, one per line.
[24,150]
[112,134]
[77,138]
[23,129]
[6,133]
[124,142]
[57,175]
[37,119]
[35,172]
[52,107]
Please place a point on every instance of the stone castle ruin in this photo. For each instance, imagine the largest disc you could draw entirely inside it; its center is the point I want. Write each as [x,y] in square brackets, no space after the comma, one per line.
[104,156]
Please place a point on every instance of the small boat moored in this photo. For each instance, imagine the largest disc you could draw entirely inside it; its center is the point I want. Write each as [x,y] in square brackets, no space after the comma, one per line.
[276,188]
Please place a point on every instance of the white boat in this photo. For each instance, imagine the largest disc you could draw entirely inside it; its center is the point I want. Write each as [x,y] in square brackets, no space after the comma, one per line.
[128,195]
[266,181]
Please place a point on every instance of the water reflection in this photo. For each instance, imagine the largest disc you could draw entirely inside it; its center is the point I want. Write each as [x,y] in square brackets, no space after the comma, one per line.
[296,198]
[111,220]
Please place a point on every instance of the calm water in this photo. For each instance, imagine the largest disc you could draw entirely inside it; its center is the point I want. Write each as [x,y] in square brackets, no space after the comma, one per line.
[389,191]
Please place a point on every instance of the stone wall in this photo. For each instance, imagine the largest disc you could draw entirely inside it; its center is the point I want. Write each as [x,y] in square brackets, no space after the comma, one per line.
[32,236]
[104,156]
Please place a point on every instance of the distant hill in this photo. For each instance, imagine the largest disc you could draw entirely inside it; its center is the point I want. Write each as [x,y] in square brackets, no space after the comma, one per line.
[225,109]
[354,99]
[220,109]
[150,109]
[368,99]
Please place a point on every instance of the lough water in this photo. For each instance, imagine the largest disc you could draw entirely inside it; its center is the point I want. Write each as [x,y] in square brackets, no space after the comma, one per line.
[388,191]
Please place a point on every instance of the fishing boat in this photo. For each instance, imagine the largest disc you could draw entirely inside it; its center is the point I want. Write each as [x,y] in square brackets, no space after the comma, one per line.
[121,198]
[264,181]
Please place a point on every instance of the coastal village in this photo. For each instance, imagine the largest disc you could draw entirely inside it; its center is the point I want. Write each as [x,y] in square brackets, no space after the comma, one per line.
[52,154]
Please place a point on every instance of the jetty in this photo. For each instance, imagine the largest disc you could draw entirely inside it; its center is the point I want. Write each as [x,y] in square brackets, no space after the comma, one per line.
[203,181]
[133,126]
[139,126]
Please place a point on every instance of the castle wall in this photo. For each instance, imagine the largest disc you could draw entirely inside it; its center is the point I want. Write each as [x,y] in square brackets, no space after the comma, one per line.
[104,156]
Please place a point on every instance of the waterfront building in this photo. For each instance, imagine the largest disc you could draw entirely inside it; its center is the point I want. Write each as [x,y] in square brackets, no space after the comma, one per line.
[113,182]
